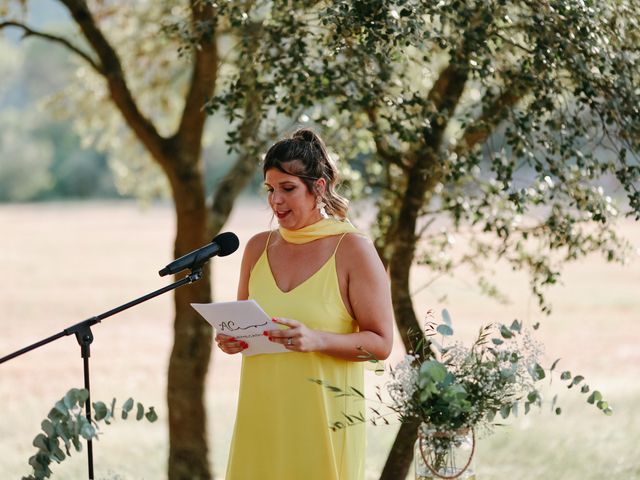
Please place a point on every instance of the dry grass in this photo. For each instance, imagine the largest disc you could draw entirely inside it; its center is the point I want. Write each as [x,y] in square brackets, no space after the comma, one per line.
[62,263]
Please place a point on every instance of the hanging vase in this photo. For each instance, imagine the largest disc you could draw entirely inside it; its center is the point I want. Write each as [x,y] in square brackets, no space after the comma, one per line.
[444,455]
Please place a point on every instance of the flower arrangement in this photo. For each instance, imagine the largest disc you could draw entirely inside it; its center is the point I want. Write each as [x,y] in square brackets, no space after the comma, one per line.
[445,386]
[452,387]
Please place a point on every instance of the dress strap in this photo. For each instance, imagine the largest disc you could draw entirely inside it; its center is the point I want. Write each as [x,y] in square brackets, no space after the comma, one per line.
[268,238]
[338,244]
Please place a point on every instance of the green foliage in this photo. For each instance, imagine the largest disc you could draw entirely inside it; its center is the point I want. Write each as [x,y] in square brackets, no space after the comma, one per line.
[66,426]
[453,387]
[512,121]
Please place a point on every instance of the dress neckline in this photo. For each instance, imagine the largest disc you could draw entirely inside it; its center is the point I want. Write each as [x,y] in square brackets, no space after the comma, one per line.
[306,280]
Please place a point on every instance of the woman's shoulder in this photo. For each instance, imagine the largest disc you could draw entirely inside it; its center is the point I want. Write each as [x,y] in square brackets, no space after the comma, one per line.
[258,242]
[356,246]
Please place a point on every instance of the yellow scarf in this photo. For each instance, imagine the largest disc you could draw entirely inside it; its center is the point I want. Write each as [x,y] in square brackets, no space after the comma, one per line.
[322,228]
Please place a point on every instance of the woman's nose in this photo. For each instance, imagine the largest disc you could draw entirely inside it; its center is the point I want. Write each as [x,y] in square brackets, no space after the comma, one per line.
[276,197]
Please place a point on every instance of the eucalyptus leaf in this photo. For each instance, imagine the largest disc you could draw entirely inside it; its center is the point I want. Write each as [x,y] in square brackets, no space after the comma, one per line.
[151,415]
[505,332]
[446,318]
[595,397]
[444,330]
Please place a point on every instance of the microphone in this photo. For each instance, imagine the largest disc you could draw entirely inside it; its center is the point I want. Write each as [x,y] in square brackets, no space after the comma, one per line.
[224,244]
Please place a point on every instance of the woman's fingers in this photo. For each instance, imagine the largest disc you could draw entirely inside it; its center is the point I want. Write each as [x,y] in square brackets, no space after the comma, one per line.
[287,322]
[230,344]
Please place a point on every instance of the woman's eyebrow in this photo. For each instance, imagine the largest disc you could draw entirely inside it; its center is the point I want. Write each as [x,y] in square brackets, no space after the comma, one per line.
[284,182]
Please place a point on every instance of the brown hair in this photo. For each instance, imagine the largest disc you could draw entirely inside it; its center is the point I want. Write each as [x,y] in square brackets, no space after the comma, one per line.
[305,155]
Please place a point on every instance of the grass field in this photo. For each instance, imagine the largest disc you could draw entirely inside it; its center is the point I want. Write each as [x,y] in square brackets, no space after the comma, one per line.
[61,263]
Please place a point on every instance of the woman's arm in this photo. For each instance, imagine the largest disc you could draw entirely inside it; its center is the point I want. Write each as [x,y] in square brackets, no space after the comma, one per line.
[370,299]
[250,256]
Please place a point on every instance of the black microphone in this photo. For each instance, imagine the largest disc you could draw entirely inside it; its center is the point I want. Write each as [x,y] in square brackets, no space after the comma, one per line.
[224,244]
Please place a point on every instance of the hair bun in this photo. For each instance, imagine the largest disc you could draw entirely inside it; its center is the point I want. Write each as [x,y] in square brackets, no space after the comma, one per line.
[306,135]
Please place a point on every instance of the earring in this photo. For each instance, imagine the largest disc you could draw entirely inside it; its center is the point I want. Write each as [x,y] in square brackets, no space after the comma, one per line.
[320,205]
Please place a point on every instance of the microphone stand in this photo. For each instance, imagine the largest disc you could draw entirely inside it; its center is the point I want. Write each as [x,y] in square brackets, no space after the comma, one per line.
[84,336]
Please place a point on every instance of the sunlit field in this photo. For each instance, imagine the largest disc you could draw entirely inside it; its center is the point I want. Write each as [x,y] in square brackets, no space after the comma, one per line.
[62,263]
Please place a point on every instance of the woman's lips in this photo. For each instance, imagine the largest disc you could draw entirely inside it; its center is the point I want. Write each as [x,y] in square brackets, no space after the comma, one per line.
[282,214]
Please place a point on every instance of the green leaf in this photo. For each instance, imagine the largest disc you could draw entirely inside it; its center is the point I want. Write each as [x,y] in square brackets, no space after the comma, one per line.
[497,341]
[585,388]
[554,364]
[566,375]
[140,412]
[504,411]
[433,370]
[100,411]
[61,407]
[151,415]
[558,411]
[48,427]
[71,398]
[446,318]
[576,380]
[128,405]
[595,396]
[358,392]
[516,326]
[87,431]
[505,332]
[444,330]
[41,442]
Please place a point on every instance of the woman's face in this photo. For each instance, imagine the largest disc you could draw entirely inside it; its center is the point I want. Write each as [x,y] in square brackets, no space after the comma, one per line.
[290,200]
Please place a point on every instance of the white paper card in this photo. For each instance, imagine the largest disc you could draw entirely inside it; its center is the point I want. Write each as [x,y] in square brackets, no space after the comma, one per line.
[244,320]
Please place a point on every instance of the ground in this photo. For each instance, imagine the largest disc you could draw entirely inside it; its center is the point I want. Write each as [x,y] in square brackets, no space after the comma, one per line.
[64,262]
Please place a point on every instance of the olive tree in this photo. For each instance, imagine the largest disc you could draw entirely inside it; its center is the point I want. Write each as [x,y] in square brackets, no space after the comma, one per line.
[515,120]
[143,73]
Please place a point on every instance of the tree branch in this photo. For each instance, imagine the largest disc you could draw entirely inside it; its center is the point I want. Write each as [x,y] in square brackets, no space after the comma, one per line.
[203,76]
[120,93]
[492,115]
[386,151]
[30,32]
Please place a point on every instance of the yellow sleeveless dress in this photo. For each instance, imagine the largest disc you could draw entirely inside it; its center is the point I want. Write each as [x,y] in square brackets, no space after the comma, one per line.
[282,425]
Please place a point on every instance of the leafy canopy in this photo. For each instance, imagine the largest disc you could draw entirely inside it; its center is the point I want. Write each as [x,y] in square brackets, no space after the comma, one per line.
[517,119]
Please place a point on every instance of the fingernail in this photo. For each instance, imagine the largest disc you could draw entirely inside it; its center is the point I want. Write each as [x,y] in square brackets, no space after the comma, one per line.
[266,333]
[271,339]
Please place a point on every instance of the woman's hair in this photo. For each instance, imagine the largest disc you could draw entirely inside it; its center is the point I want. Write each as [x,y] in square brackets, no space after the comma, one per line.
[305,156]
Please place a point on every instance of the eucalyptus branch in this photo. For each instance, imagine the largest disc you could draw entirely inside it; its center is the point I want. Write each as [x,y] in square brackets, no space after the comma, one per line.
[30,32]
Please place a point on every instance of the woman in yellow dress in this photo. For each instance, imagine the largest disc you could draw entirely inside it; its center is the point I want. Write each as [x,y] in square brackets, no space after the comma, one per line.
[327,291]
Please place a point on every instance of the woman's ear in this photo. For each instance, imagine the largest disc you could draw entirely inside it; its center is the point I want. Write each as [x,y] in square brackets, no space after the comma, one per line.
[320,186]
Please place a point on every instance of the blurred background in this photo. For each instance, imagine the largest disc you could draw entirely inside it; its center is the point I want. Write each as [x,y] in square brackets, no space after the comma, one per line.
[86,224]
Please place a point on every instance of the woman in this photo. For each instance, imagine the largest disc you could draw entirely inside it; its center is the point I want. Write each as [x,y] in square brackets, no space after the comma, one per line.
[328,294]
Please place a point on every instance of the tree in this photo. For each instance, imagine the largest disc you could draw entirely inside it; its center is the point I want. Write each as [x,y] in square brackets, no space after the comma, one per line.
[514,121]
[130,73]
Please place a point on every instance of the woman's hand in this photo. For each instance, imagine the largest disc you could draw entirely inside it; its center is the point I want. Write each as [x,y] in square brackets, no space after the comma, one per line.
[298,337]
[229,344]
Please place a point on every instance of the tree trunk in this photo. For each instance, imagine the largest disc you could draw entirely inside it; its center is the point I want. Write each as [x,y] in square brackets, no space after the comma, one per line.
[188,452]
[401,454]
[421,178]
